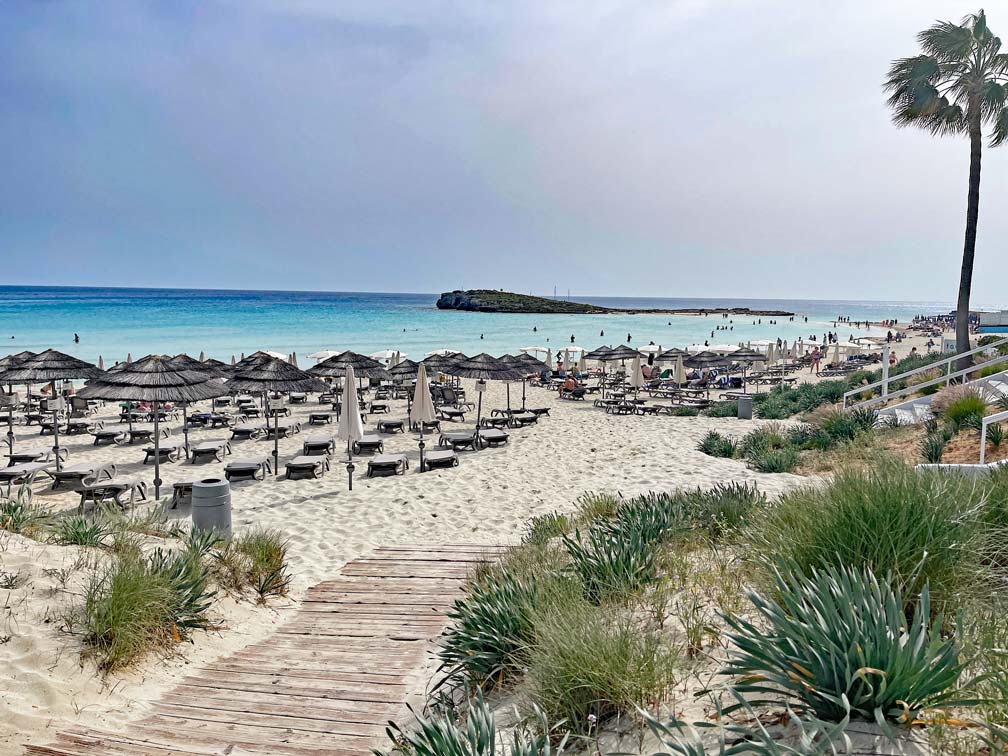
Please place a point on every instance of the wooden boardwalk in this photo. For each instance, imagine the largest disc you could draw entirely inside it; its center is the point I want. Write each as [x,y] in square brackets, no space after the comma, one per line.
[327,682]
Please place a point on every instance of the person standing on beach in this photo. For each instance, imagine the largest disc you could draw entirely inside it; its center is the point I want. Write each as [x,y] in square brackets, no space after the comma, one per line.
[816,356]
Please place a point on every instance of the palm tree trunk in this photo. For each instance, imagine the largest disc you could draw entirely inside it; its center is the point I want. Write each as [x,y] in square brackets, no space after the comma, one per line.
[969,248]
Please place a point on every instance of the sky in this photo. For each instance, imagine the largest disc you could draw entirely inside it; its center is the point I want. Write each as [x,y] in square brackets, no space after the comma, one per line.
[678,148]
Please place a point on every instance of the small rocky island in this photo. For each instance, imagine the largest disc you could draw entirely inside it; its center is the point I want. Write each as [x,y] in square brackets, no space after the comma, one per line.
[491,300]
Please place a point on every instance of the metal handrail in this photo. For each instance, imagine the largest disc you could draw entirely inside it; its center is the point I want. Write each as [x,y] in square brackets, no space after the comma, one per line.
[988,420]
[886,380]
[934,381]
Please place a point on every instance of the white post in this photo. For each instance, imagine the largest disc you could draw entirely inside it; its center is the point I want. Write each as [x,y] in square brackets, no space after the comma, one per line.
[983,441]
[885,371]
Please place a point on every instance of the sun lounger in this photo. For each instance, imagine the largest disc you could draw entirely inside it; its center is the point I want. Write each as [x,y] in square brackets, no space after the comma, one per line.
[320,418]
[391,426]
[538,411]
[522,419]
[387,464]
[80,425]
[433,425]
[500,421]
[278,412]
[297,398]
[24,474]
[221,402]
[147,434]
[247,431]
[215,449]
[575,394]
[109,435]
[35,455]
[248,468]
[319,444]
[459,440]
[182,493]
[379,407]
[493,437]
[307,467]
[116,490]
[283,430]
[74,475]
[369,444]
[169,453]
[452,414]
[441,458]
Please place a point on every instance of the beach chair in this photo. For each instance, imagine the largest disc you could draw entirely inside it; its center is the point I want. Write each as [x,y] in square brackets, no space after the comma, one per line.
[320,418]
[521,419]
[460,440]
[575,394]
[493,437]
[451,414]
[297,397]
[387,464]
[169,453]
[210,449]
[74,475]
[117,490]
[391,426]
[182,493]
[109,436]
[247,431]
[35,455]
[307,467]
[439,459]
[538,411]
[379,408]
[318,444]
[368,444]
[283,430]
[24,474]
[500,421]
[248,468]
[428,427]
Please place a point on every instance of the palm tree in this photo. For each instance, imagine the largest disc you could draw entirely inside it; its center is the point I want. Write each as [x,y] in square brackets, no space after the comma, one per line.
[956,87]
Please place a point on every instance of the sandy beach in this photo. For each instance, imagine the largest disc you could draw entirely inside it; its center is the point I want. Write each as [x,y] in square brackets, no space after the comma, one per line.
[486,500]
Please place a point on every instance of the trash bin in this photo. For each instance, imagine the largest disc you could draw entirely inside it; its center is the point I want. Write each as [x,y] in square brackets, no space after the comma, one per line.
[745,407]
[211,506]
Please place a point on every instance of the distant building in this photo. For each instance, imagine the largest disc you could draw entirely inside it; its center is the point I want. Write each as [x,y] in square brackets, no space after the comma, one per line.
[993,321]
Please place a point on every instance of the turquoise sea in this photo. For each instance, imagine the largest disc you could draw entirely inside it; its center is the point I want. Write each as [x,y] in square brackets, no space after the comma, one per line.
[221,323]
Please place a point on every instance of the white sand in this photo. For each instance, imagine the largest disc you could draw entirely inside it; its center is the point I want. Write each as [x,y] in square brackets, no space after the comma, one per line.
[487,499]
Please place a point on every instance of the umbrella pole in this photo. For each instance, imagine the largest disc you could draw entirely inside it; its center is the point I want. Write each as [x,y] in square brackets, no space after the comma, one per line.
[10,429]
[479,410]
[55,417]
[508,389]
[185,426]
[523,394]
[349,457]
[421,445]
[157,454]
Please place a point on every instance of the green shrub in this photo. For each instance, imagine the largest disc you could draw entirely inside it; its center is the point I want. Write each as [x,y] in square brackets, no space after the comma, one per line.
[19,514]
[596,505]
[587,661]
[715,444]
[773,409]
[611,564]
[762,440]
[81,530]
[932,447]
[490,627]
[440,735]
[542,528]
[722,409]
[775,460]
[919,527]
[995,434]
[724,508]
[877,667]
[684,411]
[965,410]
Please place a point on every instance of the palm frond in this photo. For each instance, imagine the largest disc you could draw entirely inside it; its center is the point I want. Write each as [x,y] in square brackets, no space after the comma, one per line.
[1000,133]
[947,41]
[992,99]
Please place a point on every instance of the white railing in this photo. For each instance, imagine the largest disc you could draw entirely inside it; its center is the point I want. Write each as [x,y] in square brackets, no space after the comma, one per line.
[947,378]
[990,419]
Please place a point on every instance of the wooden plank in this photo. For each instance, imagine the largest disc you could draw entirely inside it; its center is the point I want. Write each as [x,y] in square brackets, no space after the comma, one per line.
[326,682]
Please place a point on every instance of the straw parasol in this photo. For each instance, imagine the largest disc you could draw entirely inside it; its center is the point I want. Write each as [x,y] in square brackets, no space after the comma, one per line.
[526,364]
[350,428]
[483,367]
[155,379]
[185,362]
[704,361]
[48,367]
[274,374]
[422,410]
[747,357]
[405,369]
[222,368]
[363,366]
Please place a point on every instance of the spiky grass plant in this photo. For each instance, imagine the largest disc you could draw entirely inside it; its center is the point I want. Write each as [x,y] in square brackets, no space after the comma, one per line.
[588,664]
[596,505]
[920,527]
[776,460]
[722,409]
[837,640]
[611,564]
[715,444]
[995,434]
[82,530]
[439,734]
[19,514]
[542,528]
[932,448]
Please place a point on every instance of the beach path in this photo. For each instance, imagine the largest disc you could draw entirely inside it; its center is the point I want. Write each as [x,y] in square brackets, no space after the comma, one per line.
[326,682]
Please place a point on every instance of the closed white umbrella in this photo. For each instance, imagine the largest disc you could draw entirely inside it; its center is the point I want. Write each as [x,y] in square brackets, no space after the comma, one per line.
[422,410]
[636,374]
[325,354]
[293,359]
[680,373]
[101,363]
[549,359]
[583,365]
[350,428]
[836,353]
[202,357]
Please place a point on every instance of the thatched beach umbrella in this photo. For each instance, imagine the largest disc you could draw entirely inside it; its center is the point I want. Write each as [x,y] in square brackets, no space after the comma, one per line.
[746,357]
[525,363]
[422,410]
[350,428]
[269,375]
[48,367]
[705,361]
[402,371]
[363,366]
[157,380]
[483,367]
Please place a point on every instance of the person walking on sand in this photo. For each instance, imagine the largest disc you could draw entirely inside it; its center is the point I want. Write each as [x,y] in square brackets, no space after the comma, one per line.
[816,356]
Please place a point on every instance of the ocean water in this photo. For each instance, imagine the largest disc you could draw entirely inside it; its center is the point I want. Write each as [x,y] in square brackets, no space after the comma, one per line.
[114,322]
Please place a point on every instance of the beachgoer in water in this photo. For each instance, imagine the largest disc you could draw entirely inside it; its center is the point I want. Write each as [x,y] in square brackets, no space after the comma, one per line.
[628,338]
[572,338]
[76,339]
[601,333]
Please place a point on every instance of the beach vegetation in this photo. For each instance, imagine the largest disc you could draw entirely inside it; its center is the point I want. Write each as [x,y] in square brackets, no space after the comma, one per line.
[932,448]
[880,667]
[596,505]
[542,528]
[995,434]
[716,444]
[81,530]
[19,514]
[722,409]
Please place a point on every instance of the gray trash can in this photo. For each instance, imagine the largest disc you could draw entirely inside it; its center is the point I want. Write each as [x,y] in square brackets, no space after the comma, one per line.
[745,407]
[211,506]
